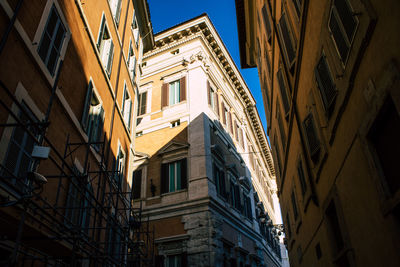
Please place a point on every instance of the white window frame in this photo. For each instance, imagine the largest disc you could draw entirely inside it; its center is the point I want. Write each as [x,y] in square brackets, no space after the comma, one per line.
[38,36]
[126,114]
[101,49]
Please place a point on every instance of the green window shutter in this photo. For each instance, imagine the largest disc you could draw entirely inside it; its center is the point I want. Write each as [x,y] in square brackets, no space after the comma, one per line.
[85,113]
[171,176]
[183,172]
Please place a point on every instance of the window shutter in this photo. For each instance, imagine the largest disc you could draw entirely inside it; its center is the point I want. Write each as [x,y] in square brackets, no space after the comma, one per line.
[88,99]
[241,138]
[283,91]
[223,184]
[105,53]
[312,137]
[126,108]
[110,58]
[209,92]
[164,95]
[182,89]
[101,33]
[184,181]
[137,183]
[130,114]
[217,103]
[118,12]
[230,122]
[325,83]
[267,22]
[164,178]
[100,125]
[223,113]
[236,131]
[347,18]
[342,47]
[287,39]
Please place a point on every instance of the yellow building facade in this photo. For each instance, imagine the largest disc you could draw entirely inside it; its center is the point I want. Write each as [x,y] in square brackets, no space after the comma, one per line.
[329,75]
[68,95]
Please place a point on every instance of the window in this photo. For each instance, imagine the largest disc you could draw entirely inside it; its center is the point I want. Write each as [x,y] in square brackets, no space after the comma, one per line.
[297,7]
[281,127]
[93,116]
[174,176]
[18,161]
[302,179]
[287,39]
[173,92]
[325,83]
[173,261]
[142,103]
[247,206]
[52,40]
[115,6]
[114,233]
[283,90]
[219,180]
[131,61]
[267,22]
[127,107]
[234,194]
[175,123]
[78,211]
[294,206]
[119,167]
[105,46]
[334,230]
[137,183]
[212,98]
[342,25]
[383,136]
[312,137]
[237,130]
[135,29]
[278,157]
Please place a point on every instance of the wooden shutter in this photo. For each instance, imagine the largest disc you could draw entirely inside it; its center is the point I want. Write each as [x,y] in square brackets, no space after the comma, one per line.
[312,137]
[209,92]
[267,22]
[282,87]
[325,83]
[184,181]
[287,39]
[236,131]
[241,138]
[88,99]
[110,57]
[223,113]
[182,89]
[164,178]
[342,46]
[143,103]
[164,95]
[217,103]
[137,183]
[230,121]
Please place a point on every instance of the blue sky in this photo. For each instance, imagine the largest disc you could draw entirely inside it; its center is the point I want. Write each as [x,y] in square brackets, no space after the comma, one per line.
[167,13]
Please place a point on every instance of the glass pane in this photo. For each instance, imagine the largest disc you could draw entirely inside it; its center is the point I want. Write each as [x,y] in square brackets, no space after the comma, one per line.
[44,47]
[59,37]
[346,16]
[18,134]
[52,60]
[52,22]
[24,166]
[338,36]
[171,93]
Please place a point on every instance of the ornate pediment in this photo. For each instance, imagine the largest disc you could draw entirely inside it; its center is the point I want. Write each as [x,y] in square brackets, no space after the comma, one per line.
[173,147]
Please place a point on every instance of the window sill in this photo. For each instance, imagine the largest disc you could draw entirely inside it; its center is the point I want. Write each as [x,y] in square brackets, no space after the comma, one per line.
[172,193]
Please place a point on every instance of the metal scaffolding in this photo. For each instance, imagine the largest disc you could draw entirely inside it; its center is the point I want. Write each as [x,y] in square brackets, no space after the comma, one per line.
[63,214]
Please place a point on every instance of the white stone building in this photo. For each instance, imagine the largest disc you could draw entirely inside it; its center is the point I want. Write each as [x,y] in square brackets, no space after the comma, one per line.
[203,168]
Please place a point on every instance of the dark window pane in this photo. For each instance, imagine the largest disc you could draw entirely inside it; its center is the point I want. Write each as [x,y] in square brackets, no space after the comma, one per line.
[341,44]
[59,37]
[286,35]
[44,47]
[266,21]
[282,88]
[346,16]
[325,83]
[52,22]
[52,60]
[302,179]
[312,138]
